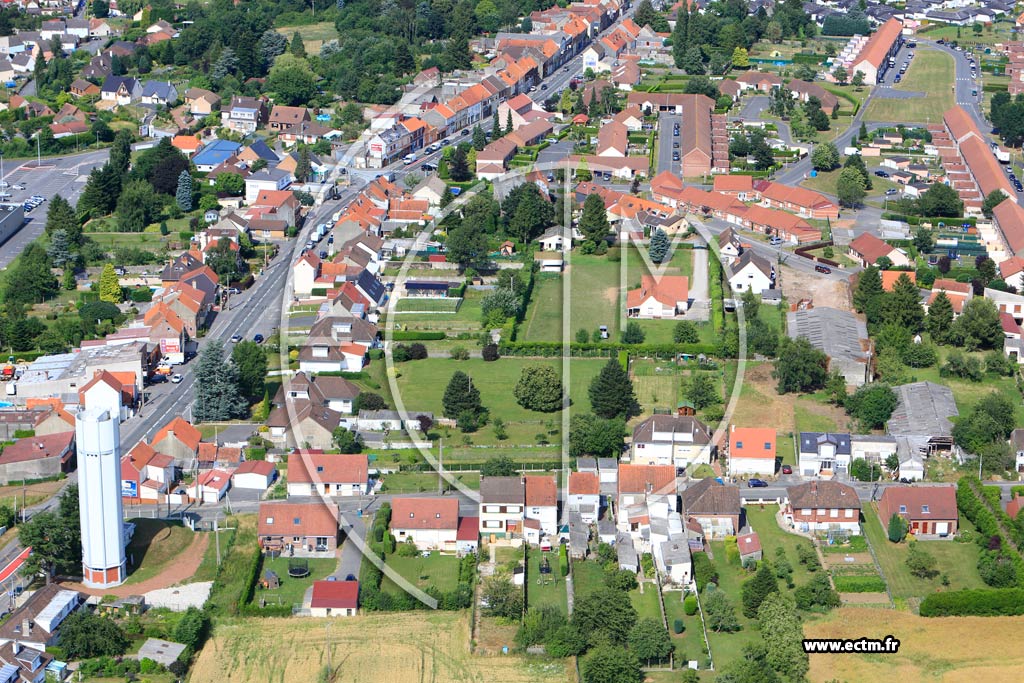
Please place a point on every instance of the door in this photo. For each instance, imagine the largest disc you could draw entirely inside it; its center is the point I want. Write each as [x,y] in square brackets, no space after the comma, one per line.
[942,528]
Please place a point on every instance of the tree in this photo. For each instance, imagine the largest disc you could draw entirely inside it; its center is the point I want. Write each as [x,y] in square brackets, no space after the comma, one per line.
[346,441]
[649,640]
[940,318]
[978,326]
[817,593]
[60,216]
[135,206]
[607,664]
[752,667]
[270,45]
[719,611]
[658,250]
[502,598]
[192,629]
[297,47]
[85,634]
[110,287]
[825,157]
[940,200]
[858,79]
[251,360]
[862,470]
[921,563]
[183,195]
[479,138]
[592,435]
[593,222]
[224,260]
[850,188]
[100,9]
[456,53]
[897,528]
[216,389]
[756,589]
[611,392]
[292,80]
[59,250]
[783,633]
[605,613]
[857,161]
[702,391]
[633,334]
[458,169]
[992,200]
[685,332]
[902,306]
[461,396]
[539,388]
[872,405]
[55,537]
[800,367]
[693,61]
[924,242]
[841,75]
[467,244]
[499,466]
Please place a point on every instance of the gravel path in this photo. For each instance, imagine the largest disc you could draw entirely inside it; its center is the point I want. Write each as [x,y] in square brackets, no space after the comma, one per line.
[180,570]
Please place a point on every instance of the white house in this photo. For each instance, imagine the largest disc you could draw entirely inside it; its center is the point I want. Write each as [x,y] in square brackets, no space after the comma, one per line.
[673,560]
[501,506]
[429,523]
[541,513]
[272,179]
[120,90]
[671,440]
[663,297]
[553,240]
[334,599]
[584,495]
[872,447]
[750,272]
[337,357]
[254,475]
[751,450]
[211,486]
[115,394]
[327,474]
[823,454]
[912,468]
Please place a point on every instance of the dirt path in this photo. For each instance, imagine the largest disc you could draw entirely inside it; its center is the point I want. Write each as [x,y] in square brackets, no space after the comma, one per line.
[180,570]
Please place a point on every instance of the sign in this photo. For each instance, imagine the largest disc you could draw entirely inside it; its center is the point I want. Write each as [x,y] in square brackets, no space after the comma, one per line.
[129,488]
[169,346]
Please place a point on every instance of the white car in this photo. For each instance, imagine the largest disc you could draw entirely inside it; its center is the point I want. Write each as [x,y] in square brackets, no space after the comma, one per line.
[176,378]
[235,338]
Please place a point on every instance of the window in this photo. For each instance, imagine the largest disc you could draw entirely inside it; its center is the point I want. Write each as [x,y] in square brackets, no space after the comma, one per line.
[270,520]
[437,515]
[492,509]
[903,509]
[492,524]
[767,445]
[849,512]
[297,521]
[924,509]
[805,511]
[739,444]
[821,511]
[833,512]
[411,515]
[319,468]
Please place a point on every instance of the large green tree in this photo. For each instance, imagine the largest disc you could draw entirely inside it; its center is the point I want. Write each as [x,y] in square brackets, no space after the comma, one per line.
[461,396]
[649,640]
[940,200]
[605,613]
[55,537]
[60,216]
[592,435]
[467,244]
[940,318]
[594,220]
[110,286]
[217,395]
[85,634]
[978,325]
[902,306]
[136,206]
[757,588]
[871,405]
[850,188]
[783,633]
[539,388]
[607,664]
[292,80]
[251,360]
[611,392]
[800,367]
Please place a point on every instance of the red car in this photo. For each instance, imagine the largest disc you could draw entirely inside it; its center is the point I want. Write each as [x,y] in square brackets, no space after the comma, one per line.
[787,469]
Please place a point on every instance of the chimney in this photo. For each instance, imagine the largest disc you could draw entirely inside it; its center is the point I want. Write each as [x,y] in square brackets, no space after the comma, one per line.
[15,647]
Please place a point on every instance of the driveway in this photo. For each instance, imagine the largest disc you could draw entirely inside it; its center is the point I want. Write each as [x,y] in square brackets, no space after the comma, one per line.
[666,141]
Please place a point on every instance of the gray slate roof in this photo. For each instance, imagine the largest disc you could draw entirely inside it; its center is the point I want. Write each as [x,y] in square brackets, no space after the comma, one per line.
[923,409]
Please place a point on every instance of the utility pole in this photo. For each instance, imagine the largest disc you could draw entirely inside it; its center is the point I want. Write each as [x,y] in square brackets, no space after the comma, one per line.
[216,534]
[440,466]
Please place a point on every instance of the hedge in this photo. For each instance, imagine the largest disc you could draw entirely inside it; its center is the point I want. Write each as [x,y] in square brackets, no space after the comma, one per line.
[252,573]
[318,291]
[606,349]
[415,335]
[977,602]
[859,584]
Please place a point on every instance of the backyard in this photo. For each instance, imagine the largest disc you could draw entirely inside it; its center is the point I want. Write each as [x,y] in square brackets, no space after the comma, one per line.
[931,78]
[548,588]
[291,591]
[437,570]
[154,545]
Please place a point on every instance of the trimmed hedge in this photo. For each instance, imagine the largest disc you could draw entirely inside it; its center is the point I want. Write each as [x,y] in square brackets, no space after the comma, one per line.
[977,602]
[605,349]
[415,335]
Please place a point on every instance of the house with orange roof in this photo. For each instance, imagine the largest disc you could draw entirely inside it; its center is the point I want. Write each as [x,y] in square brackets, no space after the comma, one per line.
[187,144]
[210,486]
[178,439]
[612,140]
[889,278]
[873,59]
[739,186]
[1010,271]
[114,392]
[145,474]
[958,293]
[584,495]
[752,450]
[867,249]
[327,474]
[305,529]
[659,298]
[805,203]
[427,523]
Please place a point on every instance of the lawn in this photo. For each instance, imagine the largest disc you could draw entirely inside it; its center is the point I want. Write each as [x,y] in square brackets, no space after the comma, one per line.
[439,571]
[422,384]
[438,314]
[646,603]
[418,482]
[930,72]
[154,545]
[587,576]
[762,520]
[967,393]
[313,35]
[826,181]
[429,305]
[544,589]
[958,561]
[688,643]
[230,580]
[292,591]
[727,647]
[17,497]
[594,292]
[949,649]
[412,647]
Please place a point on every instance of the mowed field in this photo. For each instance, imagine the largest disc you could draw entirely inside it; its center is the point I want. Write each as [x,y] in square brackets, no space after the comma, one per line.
[931,72]
[414,647]
[937,650]
[313,35]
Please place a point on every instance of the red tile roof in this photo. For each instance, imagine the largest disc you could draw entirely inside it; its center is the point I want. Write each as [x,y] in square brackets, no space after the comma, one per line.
[889,278]
[940,500]
[306,467]
[752,442]
[38,447]
[666,290]
[647,479]
[424,513]
[584,484]
[255,467]
[870,247]
[541,491]
[335,594]
[748,544]
[297,519]
[469,529]
[734,183]
[183,431]
[877,47]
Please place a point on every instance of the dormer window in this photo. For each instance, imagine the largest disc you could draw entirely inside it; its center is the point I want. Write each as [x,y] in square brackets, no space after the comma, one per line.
[924,509]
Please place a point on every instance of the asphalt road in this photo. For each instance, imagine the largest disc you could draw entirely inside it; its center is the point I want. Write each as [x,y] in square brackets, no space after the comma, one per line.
[668,143]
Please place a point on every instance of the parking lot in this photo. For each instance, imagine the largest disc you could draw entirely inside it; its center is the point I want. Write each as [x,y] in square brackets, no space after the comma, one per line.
[668,143]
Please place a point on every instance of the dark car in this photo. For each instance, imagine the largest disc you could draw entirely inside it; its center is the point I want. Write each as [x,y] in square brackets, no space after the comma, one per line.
[350,577]
[465,131]
[258,338]
[323,254]
[787,469]
[157,378]
[756,484]
[881,174]
[823,269]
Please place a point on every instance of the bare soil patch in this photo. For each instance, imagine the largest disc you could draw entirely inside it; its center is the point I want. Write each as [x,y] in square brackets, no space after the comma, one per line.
[797,284]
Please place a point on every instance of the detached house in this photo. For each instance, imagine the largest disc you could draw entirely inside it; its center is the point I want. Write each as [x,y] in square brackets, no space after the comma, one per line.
[178,439]
[302,529]
[714,506]
[675,440]
[201,102]
[751,272]
[282,117]
[501,506]
[751,450]
[244,114]
[824,454]
[159,94]
[663,297]
[428,523]
[930,511]
[823,506]
[120,90]
[337,344]
[868,249]
[317,473]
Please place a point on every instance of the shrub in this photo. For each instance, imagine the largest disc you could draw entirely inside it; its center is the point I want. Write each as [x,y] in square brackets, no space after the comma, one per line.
[459,353]
[859,584]
[490,353]
[678,626]
[415,335]
[690,605]
[977,602]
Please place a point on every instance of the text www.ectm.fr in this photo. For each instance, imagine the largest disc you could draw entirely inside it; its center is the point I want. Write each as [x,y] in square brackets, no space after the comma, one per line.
[887,645]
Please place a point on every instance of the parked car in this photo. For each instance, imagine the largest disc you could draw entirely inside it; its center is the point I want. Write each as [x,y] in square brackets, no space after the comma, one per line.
[823,269]
[158,379]
[756,484]
[787,469]
[775,241]
[176,378]
[891,191]
[881,174]
[258,338]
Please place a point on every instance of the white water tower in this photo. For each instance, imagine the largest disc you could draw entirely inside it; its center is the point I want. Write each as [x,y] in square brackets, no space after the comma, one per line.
[98,440]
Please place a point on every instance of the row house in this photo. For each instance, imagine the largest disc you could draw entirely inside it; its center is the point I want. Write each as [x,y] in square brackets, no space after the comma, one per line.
[518,507]
[315,473]
[822,507]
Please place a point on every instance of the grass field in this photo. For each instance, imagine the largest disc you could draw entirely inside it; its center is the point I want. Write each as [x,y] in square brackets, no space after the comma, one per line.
[958,561]
[945,650]
[439,571]
[726,647]
[155,545]
[545,589]
[313,35]
[16,498]
[762,519]
[292,591]
[646,603]
[413,647]
[416,482]
[587,576]
[930,72]
[431,305]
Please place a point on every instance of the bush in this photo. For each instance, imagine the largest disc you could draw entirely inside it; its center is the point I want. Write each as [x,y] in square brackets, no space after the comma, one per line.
[678,626]
[690,605]
[415,335]
[490,353]
[459,353]
[977,602]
